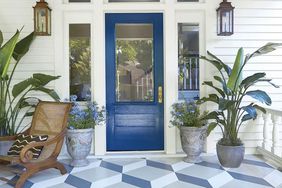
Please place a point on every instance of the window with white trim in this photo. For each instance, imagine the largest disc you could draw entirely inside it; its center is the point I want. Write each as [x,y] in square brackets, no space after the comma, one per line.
[79,61]
[188,61]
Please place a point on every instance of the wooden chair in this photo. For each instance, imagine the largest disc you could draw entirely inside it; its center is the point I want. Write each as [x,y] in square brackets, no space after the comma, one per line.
[50,118]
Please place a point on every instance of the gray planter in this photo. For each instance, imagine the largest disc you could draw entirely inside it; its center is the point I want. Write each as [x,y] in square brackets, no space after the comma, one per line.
[78,143]
[230,156]
[5,146]
[192,141]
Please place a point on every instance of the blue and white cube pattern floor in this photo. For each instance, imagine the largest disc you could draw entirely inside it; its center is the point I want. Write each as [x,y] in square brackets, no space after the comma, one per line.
[157,172]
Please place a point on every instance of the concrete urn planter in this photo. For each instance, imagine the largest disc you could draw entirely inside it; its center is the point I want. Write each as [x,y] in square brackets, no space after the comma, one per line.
[230,156]
[192,141]
[78,143]
[5,146]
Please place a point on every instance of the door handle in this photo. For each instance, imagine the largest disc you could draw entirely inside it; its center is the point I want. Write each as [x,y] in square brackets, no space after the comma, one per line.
[160,94]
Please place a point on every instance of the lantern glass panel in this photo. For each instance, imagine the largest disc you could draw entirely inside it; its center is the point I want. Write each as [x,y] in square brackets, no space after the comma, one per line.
[218,23]
[225,21]
[231,21]
[41,20]
[49,22]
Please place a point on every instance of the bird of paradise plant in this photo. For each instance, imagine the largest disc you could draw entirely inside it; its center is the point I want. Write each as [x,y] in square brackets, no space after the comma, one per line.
[16,100]
[231,114]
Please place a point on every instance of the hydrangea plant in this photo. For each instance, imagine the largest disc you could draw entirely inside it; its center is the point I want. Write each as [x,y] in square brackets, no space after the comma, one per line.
[187,114]
[84,116]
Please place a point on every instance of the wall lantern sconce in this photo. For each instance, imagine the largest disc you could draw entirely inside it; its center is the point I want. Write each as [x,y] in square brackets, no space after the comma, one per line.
[225,19]
[42,18]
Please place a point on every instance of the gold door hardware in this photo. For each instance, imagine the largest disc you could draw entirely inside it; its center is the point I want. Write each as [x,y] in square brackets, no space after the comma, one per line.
[160,94]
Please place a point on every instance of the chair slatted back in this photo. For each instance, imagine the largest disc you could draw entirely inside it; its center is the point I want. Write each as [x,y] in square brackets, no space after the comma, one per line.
[50,118]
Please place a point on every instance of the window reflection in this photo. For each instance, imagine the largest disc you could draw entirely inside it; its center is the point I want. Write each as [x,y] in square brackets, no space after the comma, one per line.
[134,62]
[80,55]
[188,61]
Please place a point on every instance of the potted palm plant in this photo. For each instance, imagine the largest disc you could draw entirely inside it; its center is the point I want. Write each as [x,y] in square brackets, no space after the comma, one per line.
[16,104]
[193,128]
[231,113]
[82,121]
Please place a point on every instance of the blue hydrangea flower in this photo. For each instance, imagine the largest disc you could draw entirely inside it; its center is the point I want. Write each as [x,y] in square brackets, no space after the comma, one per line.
[85,116]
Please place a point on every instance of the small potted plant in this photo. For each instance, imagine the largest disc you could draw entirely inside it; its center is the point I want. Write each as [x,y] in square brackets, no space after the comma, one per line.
[233,111]
[192,125]
[82,121]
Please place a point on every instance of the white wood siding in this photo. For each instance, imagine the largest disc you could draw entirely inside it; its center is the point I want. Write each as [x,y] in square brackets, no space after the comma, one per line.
[256,23]
[40,59]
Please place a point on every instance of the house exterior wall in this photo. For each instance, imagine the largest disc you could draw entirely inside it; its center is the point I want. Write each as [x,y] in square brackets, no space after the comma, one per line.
[256,23]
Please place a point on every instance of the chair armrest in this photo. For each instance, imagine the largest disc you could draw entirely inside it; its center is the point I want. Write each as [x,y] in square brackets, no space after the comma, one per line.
[25,155]
[8,138]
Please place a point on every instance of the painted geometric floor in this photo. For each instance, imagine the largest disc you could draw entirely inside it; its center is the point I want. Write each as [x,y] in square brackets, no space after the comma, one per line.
[157,172]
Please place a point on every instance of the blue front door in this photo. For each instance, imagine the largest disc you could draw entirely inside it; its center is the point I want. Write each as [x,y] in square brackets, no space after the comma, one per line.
[134,78]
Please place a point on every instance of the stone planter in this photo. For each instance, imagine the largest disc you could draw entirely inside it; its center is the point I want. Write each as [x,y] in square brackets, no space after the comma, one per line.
[192,141]
[230,156]
[78,143]
[5,146]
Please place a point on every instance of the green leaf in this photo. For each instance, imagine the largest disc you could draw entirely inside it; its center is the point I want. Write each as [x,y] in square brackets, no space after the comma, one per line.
[224,104]
[22,47]
[23,103]
[246,117]
[213,62]
[260,96]
[6,52]
[211,98]
[29,114]
[251,111]
[211,127]
[269,47]
[224,86]
[49,92]
[208,83]
[212,115]
[236,75]
[1,38]
[44,79]
[260,108]
[252,79]
[38,80]
[22,86]
[226,67]
[269,81]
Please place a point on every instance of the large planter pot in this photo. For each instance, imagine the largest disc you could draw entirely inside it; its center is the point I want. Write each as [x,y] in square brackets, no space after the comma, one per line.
[78,143]
[192,141]
[230,156]
[5,146]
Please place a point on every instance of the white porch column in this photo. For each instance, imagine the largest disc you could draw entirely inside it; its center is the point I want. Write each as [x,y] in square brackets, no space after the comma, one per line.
[266,131]
[170,74]
[275,149]
[98,72]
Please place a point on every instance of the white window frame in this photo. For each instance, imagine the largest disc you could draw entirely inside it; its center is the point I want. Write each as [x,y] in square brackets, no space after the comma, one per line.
[193,17]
